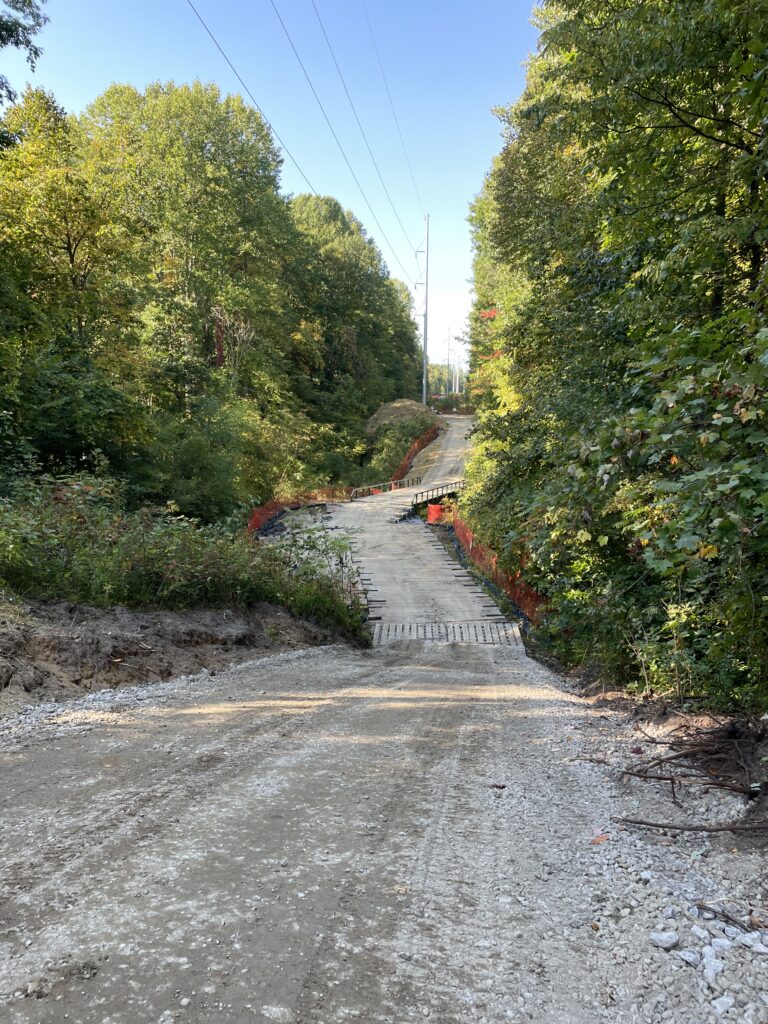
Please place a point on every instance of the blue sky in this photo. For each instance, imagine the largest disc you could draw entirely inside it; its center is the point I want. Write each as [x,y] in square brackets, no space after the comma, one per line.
[448,62]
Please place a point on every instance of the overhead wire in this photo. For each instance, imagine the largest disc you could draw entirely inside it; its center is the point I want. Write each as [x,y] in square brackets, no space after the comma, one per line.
[237,75]
[392,107]
[338,141]
[360,126]
[282,144]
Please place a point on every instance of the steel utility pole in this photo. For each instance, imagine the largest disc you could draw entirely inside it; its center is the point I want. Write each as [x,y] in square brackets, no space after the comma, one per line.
[425,368]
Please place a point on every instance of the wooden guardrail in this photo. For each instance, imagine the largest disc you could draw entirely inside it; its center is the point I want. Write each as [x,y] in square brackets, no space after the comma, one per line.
[383,488]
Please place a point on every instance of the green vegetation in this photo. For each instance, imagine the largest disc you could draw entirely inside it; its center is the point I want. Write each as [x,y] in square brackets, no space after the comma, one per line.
[442,381]
[178,341]
[620,352]
[20,21]
[391,442]
[163,304]
[461,404]
[72,538]
[390,433]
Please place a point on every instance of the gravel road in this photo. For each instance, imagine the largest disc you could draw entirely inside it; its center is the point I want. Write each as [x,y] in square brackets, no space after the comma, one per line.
[415,832]
[322,836]
[408,574]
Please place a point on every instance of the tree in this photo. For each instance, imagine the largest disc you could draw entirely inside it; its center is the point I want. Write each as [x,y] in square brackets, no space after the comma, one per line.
[164,304]
[620,339]
[66,248]
[367,350]
[20,21]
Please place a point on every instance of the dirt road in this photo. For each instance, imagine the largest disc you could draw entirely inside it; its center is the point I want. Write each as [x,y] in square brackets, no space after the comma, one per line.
[409,577]
[408,833]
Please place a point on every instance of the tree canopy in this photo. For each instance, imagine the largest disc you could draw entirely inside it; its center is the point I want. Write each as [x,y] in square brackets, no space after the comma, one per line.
[166,307]
[20,21]
[620,341]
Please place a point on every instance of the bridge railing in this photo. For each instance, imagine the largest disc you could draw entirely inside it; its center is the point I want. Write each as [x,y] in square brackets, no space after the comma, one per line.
[438,492]
[383,488]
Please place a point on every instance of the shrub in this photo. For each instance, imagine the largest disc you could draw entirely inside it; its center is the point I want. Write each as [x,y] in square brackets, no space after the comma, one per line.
[71,538]
[392,442]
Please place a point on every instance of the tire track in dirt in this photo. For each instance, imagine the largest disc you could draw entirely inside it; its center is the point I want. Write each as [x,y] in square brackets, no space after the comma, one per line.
[384,836]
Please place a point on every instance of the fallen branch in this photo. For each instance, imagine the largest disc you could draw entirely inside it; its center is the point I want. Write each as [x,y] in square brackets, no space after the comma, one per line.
[653,739]
[753,826]
[757,917]
[693,780]
[713,908]
[679,754]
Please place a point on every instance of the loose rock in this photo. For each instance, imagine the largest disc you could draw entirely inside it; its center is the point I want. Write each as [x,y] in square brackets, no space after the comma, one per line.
[690,956]
[665,940]
[723,1004]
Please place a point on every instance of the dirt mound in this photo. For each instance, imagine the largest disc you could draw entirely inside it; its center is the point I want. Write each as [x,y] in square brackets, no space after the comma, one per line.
[404,410]
[55,650]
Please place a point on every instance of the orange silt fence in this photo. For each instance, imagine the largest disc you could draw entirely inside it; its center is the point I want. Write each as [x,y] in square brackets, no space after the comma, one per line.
[426,438]
[528,600]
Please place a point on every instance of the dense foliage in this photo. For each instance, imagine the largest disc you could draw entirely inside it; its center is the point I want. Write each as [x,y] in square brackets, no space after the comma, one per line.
[72,538]
[443,383]
[164,305]
[177,340]
[620,352]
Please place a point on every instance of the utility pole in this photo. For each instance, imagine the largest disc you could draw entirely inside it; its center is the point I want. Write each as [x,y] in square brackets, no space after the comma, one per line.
[449,368]
[425,368]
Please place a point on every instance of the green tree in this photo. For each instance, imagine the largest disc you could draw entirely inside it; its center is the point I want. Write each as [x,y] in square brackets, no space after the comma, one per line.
[164,304]
[366,347]
[65,246]
[620,340]
[20,21]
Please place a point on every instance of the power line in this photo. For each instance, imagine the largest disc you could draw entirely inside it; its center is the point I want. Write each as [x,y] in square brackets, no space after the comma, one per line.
[336,138]
[252,97]
[362,130]
[271,127]
[392,107]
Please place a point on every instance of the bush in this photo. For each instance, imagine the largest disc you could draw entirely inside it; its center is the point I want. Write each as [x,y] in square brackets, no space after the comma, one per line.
[665,578]
[391,444]
[227,454]
[71,538]
[461,405]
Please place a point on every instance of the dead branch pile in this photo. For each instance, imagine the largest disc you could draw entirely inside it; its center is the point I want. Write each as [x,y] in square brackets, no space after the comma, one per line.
[723,757]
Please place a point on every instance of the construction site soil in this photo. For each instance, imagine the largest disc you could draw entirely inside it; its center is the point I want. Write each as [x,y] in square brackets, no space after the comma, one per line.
[54,651]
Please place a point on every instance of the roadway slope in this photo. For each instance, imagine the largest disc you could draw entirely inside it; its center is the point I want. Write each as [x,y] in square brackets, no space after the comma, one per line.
[408,576]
